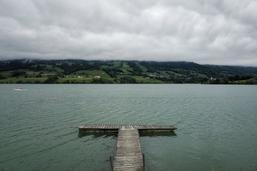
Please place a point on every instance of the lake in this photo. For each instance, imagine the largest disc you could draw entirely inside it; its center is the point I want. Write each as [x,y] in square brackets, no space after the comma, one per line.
[217,126]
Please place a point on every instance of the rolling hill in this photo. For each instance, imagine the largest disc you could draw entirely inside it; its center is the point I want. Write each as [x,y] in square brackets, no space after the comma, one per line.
[83,71]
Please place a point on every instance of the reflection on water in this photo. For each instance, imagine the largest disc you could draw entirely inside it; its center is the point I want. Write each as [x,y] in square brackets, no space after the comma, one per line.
[96,134]
[156,134]
[216,126]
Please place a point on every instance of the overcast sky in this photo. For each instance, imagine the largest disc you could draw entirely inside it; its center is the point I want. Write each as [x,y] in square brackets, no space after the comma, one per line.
[202,31]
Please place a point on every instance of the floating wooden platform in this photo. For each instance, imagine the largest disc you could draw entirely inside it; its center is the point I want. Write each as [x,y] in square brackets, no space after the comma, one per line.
[116,127]
[129,156]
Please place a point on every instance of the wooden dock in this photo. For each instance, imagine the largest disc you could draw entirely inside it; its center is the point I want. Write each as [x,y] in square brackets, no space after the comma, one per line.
[116,127]
[129,156]
[128,153]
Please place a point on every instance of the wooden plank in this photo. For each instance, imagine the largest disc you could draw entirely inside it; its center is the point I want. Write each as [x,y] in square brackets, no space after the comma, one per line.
[128,155]
[139,127]
[107,128]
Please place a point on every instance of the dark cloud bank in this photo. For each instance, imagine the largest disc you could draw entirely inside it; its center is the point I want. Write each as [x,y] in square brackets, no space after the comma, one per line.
[203,31]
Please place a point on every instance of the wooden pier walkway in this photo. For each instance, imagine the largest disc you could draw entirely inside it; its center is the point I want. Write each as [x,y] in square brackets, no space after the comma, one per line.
[128,153]
[129,156]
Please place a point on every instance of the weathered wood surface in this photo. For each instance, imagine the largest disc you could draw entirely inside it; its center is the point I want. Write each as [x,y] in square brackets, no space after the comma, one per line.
[95,127]
[128,153]
[99,128]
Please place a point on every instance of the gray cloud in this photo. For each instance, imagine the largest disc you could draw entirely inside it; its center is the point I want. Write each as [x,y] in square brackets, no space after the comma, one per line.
[203,31]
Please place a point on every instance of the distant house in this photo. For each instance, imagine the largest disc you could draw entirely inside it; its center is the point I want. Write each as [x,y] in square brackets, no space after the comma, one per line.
[48,74]
[212,79]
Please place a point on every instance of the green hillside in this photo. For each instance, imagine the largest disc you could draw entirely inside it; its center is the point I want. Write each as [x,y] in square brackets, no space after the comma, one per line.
[82,71]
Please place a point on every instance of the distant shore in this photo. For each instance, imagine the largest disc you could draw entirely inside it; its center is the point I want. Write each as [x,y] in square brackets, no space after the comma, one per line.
[13,83]
[26,71]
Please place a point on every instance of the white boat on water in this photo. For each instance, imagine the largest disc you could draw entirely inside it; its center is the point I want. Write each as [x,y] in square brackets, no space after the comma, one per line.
[19,89]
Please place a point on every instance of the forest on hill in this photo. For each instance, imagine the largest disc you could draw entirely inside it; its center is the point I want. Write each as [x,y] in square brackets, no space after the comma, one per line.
[84,71]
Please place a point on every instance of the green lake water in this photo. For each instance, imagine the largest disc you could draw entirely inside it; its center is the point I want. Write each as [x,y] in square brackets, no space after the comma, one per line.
[217,126]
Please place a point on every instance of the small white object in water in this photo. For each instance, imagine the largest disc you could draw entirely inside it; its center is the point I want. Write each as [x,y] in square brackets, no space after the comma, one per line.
[19,89]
